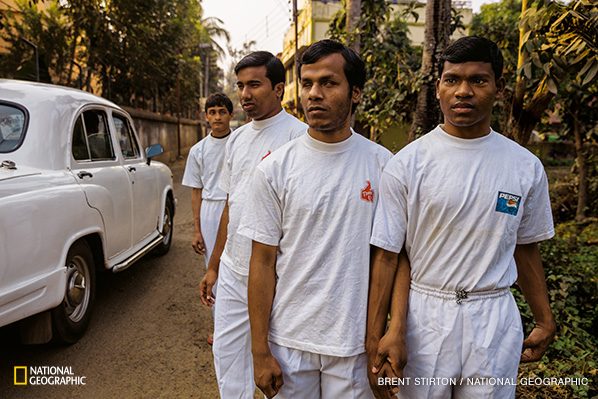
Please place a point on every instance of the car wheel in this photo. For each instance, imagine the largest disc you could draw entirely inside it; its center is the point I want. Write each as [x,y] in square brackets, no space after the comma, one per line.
[167,228]
[71,317]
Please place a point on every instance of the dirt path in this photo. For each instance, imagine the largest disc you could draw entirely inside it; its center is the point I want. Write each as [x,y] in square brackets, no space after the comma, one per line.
[147,335]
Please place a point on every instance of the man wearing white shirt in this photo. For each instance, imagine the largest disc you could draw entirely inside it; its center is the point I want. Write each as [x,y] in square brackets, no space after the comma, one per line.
[310,215]
[469,206]
[260,84]
[202,173]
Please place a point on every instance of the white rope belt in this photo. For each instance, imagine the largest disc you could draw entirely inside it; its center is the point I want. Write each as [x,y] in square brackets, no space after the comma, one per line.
[460,295]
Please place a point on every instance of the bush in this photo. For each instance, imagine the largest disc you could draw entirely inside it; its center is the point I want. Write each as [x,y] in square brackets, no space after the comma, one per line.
[571,266]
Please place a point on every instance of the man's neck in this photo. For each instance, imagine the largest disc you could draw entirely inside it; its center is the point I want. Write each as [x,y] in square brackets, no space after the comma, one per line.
[468,132]
[331,136]
[270,114]
[220,133]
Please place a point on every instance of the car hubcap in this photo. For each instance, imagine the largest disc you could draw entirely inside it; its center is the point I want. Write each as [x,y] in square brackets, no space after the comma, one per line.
[166,226]
[77,290]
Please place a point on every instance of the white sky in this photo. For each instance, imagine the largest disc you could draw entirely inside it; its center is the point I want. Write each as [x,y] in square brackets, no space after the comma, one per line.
[264,21]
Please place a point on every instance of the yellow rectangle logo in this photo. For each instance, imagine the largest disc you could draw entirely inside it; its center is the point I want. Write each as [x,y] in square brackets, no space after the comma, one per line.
[20,371]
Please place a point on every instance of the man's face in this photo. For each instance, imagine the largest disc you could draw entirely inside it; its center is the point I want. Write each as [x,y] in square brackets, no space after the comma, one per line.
[258,99]
[325,94]
[219,119]
[467,92]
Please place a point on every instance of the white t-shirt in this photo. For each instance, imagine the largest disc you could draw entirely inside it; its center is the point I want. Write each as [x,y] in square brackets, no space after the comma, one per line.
[460,206]
[316,202]
[247,146]
[204,167]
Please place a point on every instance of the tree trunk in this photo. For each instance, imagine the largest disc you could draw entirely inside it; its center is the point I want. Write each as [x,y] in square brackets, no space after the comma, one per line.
[353,14]
[524,117]
[436,38]
[582,170]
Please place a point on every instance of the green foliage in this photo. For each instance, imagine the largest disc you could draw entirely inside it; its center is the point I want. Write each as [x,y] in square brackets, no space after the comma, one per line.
[49,31]
[561,40]
[571,266]
[143,53]
[389,93]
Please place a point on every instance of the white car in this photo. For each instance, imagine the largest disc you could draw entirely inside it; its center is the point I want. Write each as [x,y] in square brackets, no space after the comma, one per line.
[77,195]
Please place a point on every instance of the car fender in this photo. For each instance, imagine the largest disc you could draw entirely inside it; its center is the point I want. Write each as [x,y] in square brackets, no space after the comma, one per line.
[34,244]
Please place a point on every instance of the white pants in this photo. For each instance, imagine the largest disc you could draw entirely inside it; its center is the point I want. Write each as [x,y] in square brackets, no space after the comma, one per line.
[311,376]
[209,217]
[232,340]
[476,339]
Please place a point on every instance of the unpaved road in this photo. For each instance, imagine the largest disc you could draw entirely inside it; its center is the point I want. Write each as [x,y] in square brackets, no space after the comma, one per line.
[147,337]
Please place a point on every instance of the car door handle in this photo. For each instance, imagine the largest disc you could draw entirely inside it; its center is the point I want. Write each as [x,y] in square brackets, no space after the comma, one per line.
[132,169]
[83,174]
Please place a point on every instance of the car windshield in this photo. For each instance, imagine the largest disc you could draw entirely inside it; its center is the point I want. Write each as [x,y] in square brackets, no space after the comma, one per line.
[12,127]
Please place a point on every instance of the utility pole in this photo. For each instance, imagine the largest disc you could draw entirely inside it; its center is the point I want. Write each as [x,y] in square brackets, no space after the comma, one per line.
[295,22]
[207,74]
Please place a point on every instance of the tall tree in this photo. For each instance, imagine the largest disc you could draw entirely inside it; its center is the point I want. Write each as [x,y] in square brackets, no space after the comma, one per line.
[499,22]
[390,60]
[558,41]
[353,15]
[131,51]
[50,33]
[436,37]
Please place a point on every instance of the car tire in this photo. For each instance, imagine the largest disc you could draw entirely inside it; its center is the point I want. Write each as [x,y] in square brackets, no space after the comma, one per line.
[71,318]
[168,227]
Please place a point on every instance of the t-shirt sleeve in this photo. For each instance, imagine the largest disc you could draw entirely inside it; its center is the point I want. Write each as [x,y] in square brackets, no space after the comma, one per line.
[262,216]
[192,175]
[225,175]
[536,221]
[390,218]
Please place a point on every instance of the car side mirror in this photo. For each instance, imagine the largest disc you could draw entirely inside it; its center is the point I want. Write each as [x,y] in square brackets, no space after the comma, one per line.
[153,151]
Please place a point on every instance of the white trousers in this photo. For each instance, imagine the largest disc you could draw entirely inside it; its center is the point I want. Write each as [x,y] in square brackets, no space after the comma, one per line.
[309,375]
[232,340]
[480,338]
[209,217]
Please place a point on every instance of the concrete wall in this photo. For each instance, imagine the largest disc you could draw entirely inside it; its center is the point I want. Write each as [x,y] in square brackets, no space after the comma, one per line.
[162,129]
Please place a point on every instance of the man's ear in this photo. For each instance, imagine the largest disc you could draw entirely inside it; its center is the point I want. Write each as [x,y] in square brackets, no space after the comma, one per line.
[356,95]
[500,86]
[438,89]
[279,89]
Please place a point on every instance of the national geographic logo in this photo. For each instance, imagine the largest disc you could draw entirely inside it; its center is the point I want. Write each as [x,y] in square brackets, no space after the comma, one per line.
[47,375]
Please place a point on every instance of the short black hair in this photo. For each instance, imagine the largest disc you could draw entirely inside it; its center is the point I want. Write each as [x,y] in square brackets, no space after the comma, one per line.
[219,100]
[274,67]
[473,48]
[354,67]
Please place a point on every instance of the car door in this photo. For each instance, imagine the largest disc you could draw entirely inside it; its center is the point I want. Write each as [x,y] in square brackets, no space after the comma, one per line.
[100,172]
[144,185]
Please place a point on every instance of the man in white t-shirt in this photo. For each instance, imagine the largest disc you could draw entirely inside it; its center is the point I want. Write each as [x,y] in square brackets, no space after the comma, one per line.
[202,173]
[469,206]
[310,215]
[260,84]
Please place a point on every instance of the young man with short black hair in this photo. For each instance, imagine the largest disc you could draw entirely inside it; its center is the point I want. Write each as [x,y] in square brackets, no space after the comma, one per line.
[202,173]
[260,84]
[469,206]
[310,216]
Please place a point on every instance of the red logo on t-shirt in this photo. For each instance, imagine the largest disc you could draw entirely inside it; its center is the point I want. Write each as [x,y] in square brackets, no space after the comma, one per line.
[367,194]
[268,153]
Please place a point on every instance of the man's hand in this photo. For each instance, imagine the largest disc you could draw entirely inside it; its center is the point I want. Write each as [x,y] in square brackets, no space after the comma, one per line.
[387,360]
[198,244]
[537,342]
[267,374]
[205,287]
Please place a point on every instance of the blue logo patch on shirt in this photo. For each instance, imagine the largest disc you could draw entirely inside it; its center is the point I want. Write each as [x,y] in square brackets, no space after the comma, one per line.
[508,203]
